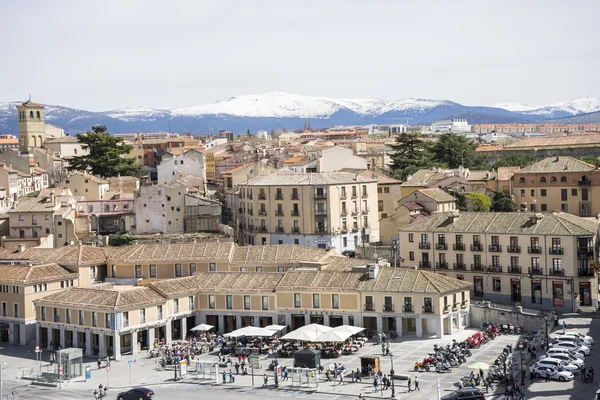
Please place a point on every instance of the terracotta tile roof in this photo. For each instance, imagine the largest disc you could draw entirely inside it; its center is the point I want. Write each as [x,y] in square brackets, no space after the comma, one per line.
[64,139]
[103,299]
[339,263]
[413,205]
[561,141]
[34,204]
[373,174]
[231,171]
[437,194]
[68,255]
[281,253]
[34,273]
[407,280]
[237,281]
[171,252]
[175,287]
[505,173]
[282,178]
[31,104]
[557,164]
[321,280]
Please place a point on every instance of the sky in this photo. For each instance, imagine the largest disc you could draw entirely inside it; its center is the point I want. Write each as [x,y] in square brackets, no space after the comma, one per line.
[109,54]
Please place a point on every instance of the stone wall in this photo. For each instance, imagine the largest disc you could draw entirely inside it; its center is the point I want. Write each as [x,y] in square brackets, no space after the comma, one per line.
[368,253]
[530,320]
[541,153]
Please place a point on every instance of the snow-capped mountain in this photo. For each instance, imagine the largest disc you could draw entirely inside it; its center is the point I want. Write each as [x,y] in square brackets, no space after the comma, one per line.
[283,110]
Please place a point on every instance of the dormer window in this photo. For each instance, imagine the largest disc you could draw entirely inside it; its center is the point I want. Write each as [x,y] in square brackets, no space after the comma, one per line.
[543,179]
[553,179]
[522,180]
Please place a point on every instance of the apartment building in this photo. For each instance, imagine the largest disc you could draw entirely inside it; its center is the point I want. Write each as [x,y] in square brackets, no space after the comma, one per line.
[159,208]
[558,184]
[536,260]
[88,186]
[327,210]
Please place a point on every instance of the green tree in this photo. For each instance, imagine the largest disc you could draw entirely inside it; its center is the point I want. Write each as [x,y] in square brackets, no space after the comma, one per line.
[590,159]
[411,153]
[480,201]
[106,154]
[454,151]
[514,161]
[461,200]
[502,202]
[248,132]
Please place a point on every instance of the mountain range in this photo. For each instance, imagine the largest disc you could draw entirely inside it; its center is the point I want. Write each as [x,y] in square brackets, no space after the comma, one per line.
[283,110]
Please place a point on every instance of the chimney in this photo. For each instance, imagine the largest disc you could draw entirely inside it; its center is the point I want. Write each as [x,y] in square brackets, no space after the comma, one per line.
[52,198]
[21,248]
[597,165]
[557,159]
[373,271]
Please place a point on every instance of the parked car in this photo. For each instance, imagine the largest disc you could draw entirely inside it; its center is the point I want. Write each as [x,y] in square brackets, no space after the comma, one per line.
[563,376]
[558,364]
[139,393]
[465,394]
[562,350]
[572,338]
[349,253]
[566,357]
[579,336]
[573,346]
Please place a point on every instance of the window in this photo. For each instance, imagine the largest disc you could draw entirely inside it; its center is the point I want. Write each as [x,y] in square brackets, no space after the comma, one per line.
[563,178]
[335,301]
[411,255]
[379,190]
[497,284]
[68,315]
[344,242]
[297,300]
[243,269]
[212,267]
[177,270]
[543,179]
[386,190]
[574,192]
[138,271]
[42,308]
[159,312]
[94,318]
[21,217]
[543,192]
[411,237]
[152,270]
[192,269]
[553,179]
[265,302]
[125,319]
[229,302]
[556,266]
[544,207]
[246,302]
[142,316]
[584,194]
[478,286]
[191,303]
[175,306]
[80,317]
[532,192]
[316,300]
[380,205]
[258,269]
[211,301]
[563,194]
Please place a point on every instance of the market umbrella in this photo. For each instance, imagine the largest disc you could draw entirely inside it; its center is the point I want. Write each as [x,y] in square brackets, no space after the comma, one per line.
[202,327]
[479,365]
[352,330]
[318,328]
[333,336]
[275,327]
[305,336]
[250,331]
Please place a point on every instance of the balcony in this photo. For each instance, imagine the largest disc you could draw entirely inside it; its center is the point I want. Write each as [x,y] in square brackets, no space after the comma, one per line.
[556,250]
[586,271]
[365,195]
[250,212]
[513,249]
[441,265]
[407,308]
[249,197]
[344,212]
[424,264]
[296,230]
[320,196]
[262,212]
[279,196]
[494,248]
[250,227]
[585,251]
[388,308]
[463,304]
[370,307]
[426,245]
[320,229]
[535,271]
[354,195]
[355,228]
[515,269]
[366,210]
[495,268]
[295,213]
[262,196]
[458,246]
[442,246]
[534,250]
[461,267]
[263,229]
[295,197]
[476,267]
[557,272]
[446,309]
[279,229]
[354,212]
[56,318]
[476,247]
[279,213]
[455,306]
[428,309]
[320,212]
[343,196]
[584,182]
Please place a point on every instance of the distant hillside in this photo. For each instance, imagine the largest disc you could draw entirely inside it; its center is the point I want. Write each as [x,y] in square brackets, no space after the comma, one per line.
[589,118]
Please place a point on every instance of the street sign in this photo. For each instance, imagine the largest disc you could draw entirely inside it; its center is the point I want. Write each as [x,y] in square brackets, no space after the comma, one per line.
[60,370]
[37,348]
[107,368]
[130,363]
[88,373]
[254,362]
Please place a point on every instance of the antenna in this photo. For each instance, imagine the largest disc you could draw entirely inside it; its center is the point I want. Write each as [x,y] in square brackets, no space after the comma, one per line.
[29,96]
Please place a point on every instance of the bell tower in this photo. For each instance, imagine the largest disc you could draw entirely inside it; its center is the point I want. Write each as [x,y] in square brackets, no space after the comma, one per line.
[32,129]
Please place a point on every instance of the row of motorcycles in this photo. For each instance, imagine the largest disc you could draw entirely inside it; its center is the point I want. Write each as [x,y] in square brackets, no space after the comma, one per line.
[504,329]
[444,358]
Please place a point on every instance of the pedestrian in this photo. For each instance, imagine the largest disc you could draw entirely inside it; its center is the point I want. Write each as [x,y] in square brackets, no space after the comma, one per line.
[327,376]
[534,352]
[480,373]
[384,382]
[547,376]
[591,371]
[409,385]
[353,377]
[564,326]
[417,383]
[285,374]
[224,375]
[342,378]
[358,378]
[531,372]
[583,375]
[237,368]
[521,393]
[265,380]
[376,383]
[387,348]
[379,338]
[99,363]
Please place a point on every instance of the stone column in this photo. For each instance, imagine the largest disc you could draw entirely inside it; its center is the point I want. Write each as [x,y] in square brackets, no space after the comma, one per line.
[325,320]
[379,320]
[102,346]
[168,333]
[420,327]
[151,337]
[183,328]
[345,319]
[62,336]
[399,326]
[23,335]
[439,327]
[134,342]
[12,327]
[75,339]
[306,319]
[38,335]
[116,346]
[221,324]
[50,338]
[88,343]
[451,324]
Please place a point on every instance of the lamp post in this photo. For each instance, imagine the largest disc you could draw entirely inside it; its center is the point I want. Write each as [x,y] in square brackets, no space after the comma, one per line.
[392,376]
[521,362]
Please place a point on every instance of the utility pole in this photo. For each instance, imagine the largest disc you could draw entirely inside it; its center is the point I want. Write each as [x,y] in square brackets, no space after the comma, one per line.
[1,383]
[392,377]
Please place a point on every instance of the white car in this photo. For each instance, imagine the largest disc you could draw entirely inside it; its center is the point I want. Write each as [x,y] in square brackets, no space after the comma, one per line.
[558,350]
[563,376]
[558,364]
[572,338]
[573,346]
[581,336]
[566,357]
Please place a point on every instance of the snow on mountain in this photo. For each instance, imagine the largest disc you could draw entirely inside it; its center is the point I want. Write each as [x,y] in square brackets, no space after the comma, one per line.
[572,107]
[518,107]
[130,114]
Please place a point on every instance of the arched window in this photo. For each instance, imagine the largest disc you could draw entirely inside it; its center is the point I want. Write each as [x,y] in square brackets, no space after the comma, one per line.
[543,179]
[563,178]
[30,114]
[38,114]
[522,180]
[553,179]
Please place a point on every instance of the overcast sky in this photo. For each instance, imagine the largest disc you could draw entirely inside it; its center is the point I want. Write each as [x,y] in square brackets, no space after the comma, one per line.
[101,55]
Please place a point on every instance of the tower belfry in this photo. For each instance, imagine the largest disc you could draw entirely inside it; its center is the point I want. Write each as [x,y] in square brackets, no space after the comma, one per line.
[31,125]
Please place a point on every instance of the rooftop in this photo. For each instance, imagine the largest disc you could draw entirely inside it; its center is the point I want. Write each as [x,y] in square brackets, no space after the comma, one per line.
[34,273]
[67,255]
[437,195]
[558,165]
[282,178]
[171,252]
[103,299]
[34,204]
[381,178]
[561,141]
[287,253]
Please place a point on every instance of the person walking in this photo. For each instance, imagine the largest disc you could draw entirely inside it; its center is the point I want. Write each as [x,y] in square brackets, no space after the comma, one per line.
[591,372]
[285,374]
[547,376]
[265,380]
[224,376]
[342,378]
[358,378]
[480,374]
[564,326]
[99,363]
[534,352]
[417,383]
[521,393]
[531,372]
[409,385]
[376,383]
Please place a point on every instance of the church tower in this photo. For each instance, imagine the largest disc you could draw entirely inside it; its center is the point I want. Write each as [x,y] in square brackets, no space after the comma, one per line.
[32,129]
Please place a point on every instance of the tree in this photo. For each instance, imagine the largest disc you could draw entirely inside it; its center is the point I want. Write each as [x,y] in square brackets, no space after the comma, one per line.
[502,202]
[461,200]
[481,202]
[58,175]
[454,151]
[514,161]
[411,153]
[248,132]
[106,154]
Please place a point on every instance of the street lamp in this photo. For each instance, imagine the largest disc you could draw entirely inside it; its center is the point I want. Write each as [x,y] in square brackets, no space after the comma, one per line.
[392,376]
[101,392]
[521,362]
